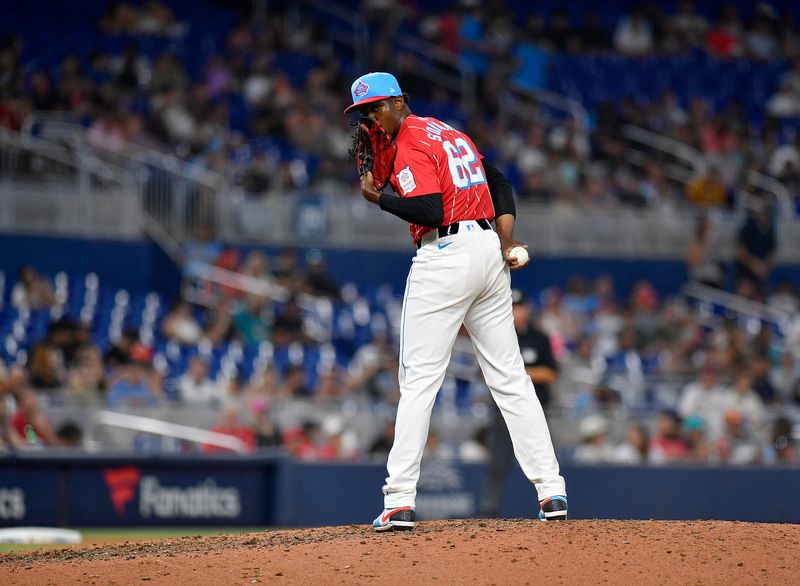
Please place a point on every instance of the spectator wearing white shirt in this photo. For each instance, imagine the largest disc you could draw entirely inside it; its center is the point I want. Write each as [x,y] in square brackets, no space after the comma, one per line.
[704,398]
[594,447]
[634,35]
[634,448]
[744,400]
[195,387]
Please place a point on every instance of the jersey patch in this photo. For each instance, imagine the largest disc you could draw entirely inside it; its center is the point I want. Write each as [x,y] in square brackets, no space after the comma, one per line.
[405,179]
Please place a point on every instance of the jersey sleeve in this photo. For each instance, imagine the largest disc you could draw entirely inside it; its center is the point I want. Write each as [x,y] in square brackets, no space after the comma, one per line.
[416,173]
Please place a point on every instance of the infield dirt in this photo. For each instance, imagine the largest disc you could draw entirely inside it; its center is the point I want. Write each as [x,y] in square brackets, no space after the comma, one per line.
[518,551]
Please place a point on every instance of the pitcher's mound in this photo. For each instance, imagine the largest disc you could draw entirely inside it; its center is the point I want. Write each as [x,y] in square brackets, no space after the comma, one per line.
[518,551]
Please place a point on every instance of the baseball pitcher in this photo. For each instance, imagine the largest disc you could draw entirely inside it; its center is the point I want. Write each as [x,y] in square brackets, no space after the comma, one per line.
[449,195]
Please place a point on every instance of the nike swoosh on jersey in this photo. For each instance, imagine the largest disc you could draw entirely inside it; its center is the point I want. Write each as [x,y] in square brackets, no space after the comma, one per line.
[445,245]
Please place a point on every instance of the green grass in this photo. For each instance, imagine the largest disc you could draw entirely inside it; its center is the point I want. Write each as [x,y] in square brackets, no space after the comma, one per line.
[121,534]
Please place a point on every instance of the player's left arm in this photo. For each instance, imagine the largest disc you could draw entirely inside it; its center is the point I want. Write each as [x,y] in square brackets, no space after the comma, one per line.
[423,210]
[505,211]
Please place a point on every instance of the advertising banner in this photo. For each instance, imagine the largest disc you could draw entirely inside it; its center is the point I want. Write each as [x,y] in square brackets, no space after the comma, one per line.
[163,495]
[28,496]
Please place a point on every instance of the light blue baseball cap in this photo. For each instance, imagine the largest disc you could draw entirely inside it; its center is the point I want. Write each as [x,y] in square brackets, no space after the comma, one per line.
[373,87]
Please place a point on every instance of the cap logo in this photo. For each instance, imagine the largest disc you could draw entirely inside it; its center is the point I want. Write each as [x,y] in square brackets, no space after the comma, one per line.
[360,89]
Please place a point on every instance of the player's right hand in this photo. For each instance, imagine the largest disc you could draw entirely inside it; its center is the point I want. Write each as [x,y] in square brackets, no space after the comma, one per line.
[368,188]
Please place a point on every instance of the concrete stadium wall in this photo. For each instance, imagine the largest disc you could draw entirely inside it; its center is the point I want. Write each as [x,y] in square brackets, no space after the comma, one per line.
[264,491]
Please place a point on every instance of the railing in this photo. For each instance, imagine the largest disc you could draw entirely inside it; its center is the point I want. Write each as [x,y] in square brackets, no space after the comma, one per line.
[440,66]
[528,102]
[171,430]
[180,196]
[754,312]
[48,187]
[685,163]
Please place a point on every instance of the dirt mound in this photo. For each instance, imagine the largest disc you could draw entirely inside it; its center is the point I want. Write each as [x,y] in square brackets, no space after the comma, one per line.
[518,551]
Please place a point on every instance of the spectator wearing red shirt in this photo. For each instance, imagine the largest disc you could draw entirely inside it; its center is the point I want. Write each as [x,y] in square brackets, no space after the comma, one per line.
[230,424]
[30,423]
[668,444]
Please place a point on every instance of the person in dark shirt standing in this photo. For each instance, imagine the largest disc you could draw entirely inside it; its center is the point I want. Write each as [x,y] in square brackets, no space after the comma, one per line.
[756,245]
[541,366]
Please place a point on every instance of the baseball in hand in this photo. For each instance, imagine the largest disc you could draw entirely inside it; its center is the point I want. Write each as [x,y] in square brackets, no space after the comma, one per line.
[520,254]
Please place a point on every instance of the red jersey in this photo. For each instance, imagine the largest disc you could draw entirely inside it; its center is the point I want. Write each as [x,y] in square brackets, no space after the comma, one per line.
[433,157]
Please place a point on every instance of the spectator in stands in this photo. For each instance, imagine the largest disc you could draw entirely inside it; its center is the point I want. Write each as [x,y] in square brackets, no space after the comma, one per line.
[249,321]
[379,449]
[86,381]
[301,442]
[294,384]
[756,246]
[700,264]
[288,325]
[594,447]
[634,448]
[743,400]
[373,369]
[179,325]
[229,423]
[286,269]
[268,433]
[30,423]
[475,449]
[695,430]
[219,323]
[784,297]
[47,365]
[784,444]
[336,441]
[760,40]
[739,444]
[32,290]
[708,190]
[330,386]
[319,281]
[785,103]
[689,26]
[761,383]
[634,35]
[724,39]
[70,435]
[120,351]
[703,398]
[203,248]
[10,440]
[135,384]
[667,443]
[196,388]
[581,374]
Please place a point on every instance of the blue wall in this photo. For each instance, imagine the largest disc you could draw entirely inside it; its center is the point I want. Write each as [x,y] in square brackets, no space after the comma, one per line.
[254,491]
[142,265]
[138,265]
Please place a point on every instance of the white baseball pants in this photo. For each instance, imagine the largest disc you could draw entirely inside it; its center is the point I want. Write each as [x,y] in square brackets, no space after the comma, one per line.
[453,280]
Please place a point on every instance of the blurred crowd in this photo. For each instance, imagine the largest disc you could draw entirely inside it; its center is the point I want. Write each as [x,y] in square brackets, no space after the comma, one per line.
[264,108]
[706,386]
